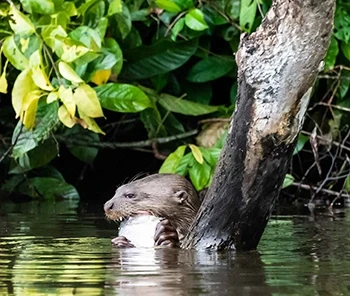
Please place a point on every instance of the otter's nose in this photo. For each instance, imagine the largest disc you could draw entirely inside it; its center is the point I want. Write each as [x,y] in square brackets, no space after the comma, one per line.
[108,206]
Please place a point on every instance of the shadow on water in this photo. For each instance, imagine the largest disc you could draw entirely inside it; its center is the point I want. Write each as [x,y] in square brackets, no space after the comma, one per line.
[64,249]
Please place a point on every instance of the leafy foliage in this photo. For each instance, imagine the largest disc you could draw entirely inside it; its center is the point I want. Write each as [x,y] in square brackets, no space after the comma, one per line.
[73,69]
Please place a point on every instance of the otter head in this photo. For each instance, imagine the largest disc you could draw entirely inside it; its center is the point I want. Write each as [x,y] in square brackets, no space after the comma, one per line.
[163,195]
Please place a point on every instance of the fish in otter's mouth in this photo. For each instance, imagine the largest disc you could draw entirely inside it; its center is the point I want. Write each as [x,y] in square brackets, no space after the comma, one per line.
[167,196]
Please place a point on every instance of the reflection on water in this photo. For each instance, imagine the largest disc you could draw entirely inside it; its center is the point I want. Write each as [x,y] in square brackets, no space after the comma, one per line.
[58,249]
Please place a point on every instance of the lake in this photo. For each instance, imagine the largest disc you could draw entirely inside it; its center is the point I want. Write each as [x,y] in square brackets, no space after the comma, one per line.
[64,248]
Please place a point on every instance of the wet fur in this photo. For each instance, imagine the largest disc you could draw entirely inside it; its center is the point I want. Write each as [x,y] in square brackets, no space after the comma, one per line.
[163,195]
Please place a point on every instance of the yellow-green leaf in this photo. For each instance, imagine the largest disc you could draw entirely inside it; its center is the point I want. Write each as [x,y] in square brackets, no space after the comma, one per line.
[53,96]
[23,85]
[30,114]
[24,44]
[114,7]
[3,80]
[28,98]
[68,73]
[196,153]
[14,55]
[66,96]
[19,22]
[65,117]
[90,123]
[86,99]
[71,52]
[101,76]
[40,78]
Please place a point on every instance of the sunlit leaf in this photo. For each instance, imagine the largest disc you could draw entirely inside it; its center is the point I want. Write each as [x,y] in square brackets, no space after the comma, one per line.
[3,80]
[101,76]
[122,97]
[68,73]
[194,19]
[172,161]
[90,123]
[23,85]
[53,96]
[168,5]
[196,153]
[65,117]
[38,6]
[19,22]
[114,7]
[71,50]
[40,78]
[185,107]
[14,55]
[288,180]
[87,101]
[66,96]
[87,36]
[30,113]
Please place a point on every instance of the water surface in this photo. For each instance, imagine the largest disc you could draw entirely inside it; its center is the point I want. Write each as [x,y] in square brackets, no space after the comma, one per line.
[63,249]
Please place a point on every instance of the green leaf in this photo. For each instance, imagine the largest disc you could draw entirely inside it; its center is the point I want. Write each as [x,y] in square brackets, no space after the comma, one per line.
[152,122]
[50,188]
[288,180]
[114,7]
[185,107]
[197,93]
[347,184]
[200,175]
[184,164]
[87,36]
[37,157]
[210,68]
[344,84]
[123,22]
[168,5]
[14,55]
[345,48]
[159,58]
[122,97]
[93,13]
[232,9]
[46,123]
[11,184]
[177,28]
[247,14]
[194,19]
[332,54]
[172,161]
[302,139]
[83,153]
[342,23]
[38,6]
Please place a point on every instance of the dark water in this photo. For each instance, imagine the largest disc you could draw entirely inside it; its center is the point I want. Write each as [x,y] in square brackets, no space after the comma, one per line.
[58,249]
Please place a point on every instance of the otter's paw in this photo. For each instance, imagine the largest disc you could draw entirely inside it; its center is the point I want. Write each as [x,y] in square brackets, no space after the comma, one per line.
[166,235]
[122,242]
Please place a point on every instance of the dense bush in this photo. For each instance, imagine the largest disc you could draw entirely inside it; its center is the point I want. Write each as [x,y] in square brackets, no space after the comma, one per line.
[76,70]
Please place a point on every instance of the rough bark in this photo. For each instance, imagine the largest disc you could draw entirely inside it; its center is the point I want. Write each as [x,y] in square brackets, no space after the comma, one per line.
[277,67]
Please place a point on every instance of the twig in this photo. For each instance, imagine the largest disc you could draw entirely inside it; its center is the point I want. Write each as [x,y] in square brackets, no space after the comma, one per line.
[328,141]
[315,188]
[138,144]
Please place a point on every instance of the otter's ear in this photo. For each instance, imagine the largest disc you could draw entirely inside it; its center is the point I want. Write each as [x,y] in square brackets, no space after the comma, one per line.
[181,196]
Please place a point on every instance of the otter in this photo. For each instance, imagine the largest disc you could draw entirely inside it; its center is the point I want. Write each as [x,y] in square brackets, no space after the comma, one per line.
[167,196]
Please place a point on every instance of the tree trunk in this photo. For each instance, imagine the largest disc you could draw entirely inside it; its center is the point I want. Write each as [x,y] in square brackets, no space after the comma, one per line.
[278,65]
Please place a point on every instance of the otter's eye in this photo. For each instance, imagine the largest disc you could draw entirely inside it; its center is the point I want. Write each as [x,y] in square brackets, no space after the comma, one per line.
[129,195]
